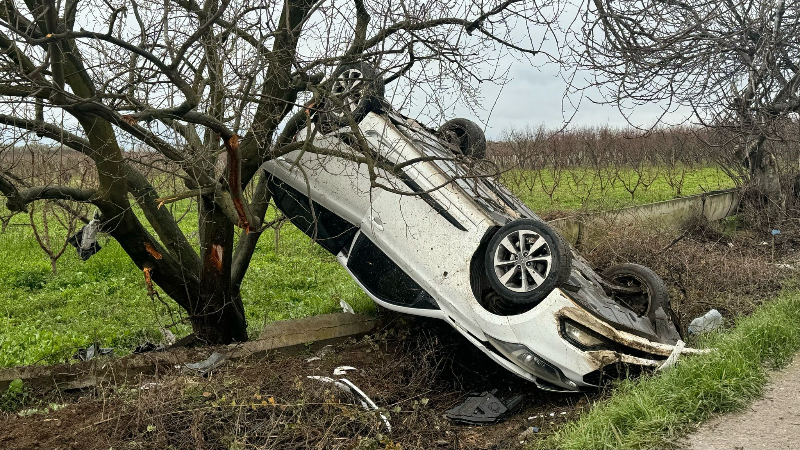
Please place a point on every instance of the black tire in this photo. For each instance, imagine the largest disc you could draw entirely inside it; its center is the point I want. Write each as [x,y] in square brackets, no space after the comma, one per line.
[653,302]
[554,251]
[359,87]
[466,136]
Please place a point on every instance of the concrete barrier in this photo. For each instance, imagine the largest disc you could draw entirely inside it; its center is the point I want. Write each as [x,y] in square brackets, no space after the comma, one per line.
[713,205]
[284,336]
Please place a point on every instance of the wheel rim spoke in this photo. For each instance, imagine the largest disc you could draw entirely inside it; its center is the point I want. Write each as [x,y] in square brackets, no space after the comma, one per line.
[537,278]
[546,258]
[507,276]
[498,262]
[508,245]
[537,245]
[521,235]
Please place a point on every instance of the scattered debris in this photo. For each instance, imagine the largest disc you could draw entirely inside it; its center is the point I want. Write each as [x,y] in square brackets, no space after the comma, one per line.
[528,432]
[483,408]
[673,357]
[148,386]
[347,386]
[87,354]
[168,336]
[209,364]
[342,370]
[85,240]
[346,307]
[323,352]
[710,321]
[149,347]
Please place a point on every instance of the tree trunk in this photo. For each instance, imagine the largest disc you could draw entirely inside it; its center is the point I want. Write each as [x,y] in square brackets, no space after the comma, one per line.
[217,315]
[765,176]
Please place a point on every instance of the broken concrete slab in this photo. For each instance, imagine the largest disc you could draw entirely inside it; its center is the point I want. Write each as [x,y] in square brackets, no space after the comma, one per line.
[283,336]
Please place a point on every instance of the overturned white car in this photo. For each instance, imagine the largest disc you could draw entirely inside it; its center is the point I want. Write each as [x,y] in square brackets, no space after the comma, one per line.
[435,236]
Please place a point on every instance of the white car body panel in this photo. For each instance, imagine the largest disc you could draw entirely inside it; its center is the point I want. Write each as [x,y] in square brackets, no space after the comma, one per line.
[427,246]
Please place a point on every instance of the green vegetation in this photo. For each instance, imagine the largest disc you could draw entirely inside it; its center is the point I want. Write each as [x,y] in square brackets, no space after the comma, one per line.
[46,318]
[610,188]
[653,411]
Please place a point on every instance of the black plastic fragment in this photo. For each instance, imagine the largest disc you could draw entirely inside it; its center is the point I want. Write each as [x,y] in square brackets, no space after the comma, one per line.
[483,408]
[77,239]
[87,354]
[149,347]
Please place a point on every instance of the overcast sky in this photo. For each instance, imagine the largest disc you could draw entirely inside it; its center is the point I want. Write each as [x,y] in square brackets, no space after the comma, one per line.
[536,95]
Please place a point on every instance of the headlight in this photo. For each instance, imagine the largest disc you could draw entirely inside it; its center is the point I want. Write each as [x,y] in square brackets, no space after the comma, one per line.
[582,337]
[533,363]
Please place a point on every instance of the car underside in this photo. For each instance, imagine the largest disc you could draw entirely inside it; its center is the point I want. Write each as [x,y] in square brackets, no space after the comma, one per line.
[436,234]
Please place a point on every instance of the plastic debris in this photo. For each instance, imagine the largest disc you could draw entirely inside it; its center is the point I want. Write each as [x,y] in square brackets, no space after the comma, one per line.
[346,307]
[672,359]
[347,386]
[710,321]
[148,386]
[528,432]
[483,408]
[148,347]
[87,354]
[168,336]
[85,240]
[208,364]
[342,370]
[323,352]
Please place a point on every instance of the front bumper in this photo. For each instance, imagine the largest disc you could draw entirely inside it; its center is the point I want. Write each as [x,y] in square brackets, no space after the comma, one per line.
[543,353]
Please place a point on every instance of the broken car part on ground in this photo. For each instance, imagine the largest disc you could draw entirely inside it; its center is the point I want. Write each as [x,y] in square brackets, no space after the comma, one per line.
[448,241]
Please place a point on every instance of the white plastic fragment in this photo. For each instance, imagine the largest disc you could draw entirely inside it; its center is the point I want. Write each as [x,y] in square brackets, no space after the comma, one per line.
[208,364]
[673,357]
[348,387]
[167,336]
[342,370]
[346,307]
[710,321]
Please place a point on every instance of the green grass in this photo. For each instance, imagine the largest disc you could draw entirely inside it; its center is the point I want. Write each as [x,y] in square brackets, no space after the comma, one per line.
[653,411]
[583,189]
[45,318]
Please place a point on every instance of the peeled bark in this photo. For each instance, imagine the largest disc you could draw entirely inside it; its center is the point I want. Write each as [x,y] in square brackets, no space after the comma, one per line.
[217,315]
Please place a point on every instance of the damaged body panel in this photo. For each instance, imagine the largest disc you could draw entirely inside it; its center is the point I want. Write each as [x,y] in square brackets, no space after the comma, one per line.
[448,241]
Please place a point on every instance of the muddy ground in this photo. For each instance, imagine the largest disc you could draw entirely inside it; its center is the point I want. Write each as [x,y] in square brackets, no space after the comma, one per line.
[415,370]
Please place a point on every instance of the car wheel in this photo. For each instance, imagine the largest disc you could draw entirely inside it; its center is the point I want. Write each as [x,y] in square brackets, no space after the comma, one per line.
[359,87]
[652,301]
[525,260]
[466,136]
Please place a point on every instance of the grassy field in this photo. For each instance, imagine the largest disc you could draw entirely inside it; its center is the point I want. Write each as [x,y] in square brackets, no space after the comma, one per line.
[583,189]
[45,318]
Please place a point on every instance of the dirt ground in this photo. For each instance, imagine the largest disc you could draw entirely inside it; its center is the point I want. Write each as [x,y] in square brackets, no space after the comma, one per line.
[413,372]
[770,423]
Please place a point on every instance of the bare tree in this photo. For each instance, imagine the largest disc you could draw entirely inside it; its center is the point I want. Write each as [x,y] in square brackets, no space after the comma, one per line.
[736,64]
[204,93]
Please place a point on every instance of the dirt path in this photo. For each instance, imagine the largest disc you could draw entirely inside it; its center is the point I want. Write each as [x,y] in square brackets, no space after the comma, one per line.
[772,422]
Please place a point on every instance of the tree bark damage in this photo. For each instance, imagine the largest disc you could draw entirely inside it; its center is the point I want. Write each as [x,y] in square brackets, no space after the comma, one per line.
[153,95]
